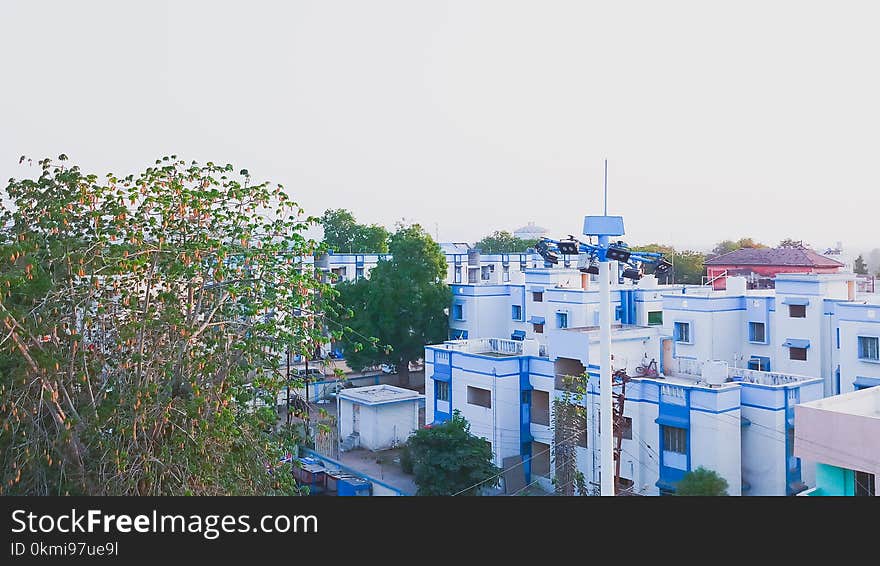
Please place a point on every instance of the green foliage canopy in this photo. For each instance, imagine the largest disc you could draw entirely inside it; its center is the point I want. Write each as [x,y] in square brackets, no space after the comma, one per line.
[400,308]
[343,234]
[701,482]
[501,241]
[143,315]
[448,460]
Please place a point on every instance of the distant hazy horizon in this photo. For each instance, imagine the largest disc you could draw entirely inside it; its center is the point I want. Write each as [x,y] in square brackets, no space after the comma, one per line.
[719,121]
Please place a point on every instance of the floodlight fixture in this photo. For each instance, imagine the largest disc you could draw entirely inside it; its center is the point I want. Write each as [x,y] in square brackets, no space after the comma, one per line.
[662,267]
[631,273]
[568,247]
[617,252]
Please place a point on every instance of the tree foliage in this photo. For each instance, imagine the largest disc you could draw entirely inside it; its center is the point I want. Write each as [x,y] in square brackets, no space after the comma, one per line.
[687,265]
[342,233]
[701,482]
[448,460]
[140,317]
[500,241]
[727,246]
[399,309]
[859,266]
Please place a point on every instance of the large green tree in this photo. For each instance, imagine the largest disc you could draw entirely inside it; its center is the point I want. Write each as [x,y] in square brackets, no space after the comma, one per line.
[701,482]
[142,318]
[687,265]
[448,460]
[400,308]
[500,241]
[343,234]
[859,266]
[727,246]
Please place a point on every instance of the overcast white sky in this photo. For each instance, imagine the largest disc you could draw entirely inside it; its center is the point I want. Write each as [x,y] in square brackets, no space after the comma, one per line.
[719,120]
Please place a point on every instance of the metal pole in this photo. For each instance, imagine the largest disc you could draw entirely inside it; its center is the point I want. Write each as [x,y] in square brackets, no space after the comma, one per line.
[606,439]
[606,187]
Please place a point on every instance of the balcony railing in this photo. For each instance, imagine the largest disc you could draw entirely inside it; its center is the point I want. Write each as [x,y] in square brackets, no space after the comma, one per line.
[499,346]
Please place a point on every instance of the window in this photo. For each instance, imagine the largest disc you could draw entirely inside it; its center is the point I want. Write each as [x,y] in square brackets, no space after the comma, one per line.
[485,271]
[458,274]
[458,311]
[869,348]
[441,390]
[675,439]
[562,320]
[797,354]
[538,328]
[683,332]
[505,273]
[618,312]
[538,296]
[516,312]
[479,397]
[627,428]
[756,332]
[864,484]
[655,318]
[359,273]
[540,410]
[797,311]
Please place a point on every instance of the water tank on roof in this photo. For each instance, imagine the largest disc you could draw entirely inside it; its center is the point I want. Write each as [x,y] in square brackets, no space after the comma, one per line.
[715,372]
[648,282]
[736,284]
[531,347]
[473,258]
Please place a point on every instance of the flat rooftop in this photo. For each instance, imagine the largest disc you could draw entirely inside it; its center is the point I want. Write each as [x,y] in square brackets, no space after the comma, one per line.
[863,403]
[378,394]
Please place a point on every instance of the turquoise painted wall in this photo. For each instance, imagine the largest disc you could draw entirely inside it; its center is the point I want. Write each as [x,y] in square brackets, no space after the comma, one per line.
[834,481]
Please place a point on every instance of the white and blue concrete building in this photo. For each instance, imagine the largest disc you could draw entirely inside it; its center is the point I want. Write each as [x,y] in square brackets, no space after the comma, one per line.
[808,338]
[548,299]
[735,421]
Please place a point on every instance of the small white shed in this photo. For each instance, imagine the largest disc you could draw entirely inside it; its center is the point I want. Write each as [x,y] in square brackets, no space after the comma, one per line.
[378,416]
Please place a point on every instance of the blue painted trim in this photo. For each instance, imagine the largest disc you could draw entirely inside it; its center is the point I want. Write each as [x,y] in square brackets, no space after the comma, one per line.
[762,407]
[862,382]
[351,471]
[478,372]
[441,377]
[368,404]
[795,301]
[796,343]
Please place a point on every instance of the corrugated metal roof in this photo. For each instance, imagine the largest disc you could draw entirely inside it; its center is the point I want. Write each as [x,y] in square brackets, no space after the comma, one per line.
[774,256]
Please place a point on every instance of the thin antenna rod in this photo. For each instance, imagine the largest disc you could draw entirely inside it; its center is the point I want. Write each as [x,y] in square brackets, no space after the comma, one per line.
[606,187]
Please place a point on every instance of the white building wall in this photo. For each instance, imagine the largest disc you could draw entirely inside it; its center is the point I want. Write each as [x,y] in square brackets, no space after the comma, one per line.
[809,328]
[855,321]
[763,449]
[392,424]
[499,424]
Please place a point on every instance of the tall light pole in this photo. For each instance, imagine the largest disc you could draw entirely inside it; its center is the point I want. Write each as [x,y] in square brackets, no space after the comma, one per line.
[604,227]
[602,260]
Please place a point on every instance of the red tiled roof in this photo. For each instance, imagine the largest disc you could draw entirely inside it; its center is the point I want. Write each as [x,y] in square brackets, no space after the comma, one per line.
[774,256]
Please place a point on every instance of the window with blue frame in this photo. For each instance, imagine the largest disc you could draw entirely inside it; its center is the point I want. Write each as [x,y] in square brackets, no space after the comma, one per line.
[682,332]
[458,311]
[441,390]
[562,320]
[618,312]
[869,348]
[516,312]
[757,332]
